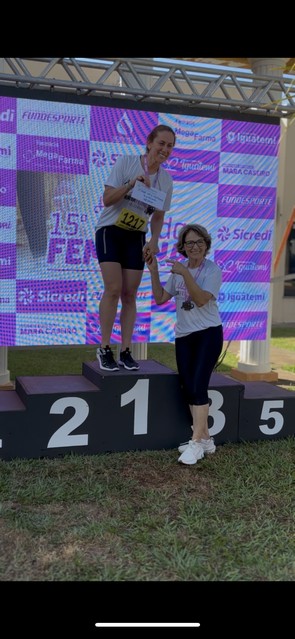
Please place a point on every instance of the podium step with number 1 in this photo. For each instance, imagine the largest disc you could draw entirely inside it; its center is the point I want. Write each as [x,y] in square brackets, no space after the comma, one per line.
[101,411]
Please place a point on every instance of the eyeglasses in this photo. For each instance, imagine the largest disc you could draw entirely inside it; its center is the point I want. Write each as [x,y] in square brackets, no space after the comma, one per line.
[190,244]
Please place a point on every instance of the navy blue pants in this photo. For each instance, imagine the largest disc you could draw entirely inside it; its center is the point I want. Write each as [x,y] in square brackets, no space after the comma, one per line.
[114,244]
[196,356]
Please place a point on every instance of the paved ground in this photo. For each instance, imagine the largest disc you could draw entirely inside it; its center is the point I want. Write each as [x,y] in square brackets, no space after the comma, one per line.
[279,357]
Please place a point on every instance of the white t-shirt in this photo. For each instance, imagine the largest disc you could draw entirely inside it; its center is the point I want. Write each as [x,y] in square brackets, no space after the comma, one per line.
[127,168]
[199,317]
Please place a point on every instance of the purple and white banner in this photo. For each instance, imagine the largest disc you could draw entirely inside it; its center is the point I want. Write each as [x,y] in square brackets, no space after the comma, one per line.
[54,161]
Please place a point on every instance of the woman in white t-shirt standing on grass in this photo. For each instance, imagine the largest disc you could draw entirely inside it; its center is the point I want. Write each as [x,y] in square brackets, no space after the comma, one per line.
[195,285]
[121,245]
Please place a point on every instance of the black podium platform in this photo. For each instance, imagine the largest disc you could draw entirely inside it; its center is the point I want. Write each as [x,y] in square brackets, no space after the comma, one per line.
[101,411]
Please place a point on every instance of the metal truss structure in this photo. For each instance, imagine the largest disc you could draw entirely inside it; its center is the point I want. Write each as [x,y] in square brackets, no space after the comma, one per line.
[143,80]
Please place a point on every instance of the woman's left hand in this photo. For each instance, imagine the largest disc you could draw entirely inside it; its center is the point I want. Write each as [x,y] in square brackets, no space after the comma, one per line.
[176,267]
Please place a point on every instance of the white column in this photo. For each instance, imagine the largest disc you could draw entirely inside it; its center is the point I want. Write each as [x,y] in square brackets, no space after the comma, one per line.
[254,361]
[4,373]
[274,67]
[139,350]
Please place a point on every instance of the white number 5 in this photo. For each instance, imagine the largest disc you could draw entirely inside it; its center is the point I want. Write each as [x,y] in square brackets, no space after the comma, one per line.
[268,413]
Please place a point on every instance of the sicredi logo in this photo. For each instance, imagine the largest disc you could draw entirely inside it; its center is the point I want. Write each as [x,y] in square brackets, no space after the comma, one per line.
[99,158]
[224,233]
[55,296]
[27,296]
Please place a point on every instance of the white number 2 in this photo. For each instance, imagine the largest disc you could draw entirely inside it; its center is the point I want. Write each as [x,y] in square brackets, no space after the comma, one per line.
[61,437]
[138,394]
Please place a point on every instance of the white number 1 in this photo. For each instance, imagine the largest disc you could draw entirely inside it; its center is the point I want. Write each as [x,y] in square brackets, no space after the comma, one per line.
[139,393]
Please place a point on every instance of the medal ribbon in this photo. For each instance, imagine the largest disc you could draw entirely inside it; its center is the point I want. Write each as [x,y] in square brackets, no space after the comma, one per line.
[146,171]
[199,271]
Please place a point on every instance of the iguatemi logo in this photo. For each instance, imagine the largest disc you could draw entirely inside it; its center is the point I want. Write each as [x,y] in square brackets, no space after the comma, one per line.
[250,138]
[231,137]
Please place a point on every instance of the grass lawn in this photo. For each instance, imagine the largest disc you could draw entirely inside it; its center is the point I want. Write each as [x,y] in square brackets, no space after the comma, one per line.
[66,360]
[139,515]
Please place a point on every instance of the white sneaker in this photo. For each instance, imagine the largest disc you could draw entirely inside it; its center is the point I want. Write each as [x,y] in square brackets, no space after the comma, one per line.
[192,453]
[208,446]
[183,446]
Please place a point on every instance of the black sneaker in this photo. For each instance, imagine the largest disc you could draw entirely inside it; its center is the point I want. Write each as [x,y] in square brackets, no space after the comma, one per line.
[106,359]
[127,361]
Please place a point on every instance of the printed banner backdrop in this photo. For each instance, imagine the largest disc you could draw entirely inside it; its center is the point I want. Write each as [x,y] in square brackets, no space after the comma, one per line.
[54,161]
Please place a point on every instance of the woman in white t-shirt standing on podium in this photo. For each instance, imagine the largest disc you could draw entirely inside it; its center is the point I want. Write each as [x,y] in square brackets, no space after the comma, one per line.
[137,192]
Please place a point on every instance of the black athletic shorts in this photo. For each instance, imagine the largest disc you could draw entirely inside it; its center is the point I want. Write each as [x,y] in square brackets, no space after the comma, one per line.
[118,245]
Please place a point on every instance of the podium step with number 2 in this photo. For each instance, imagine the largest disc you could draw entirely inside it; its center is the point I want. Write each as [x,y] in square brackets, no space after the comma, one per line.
[101,411]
